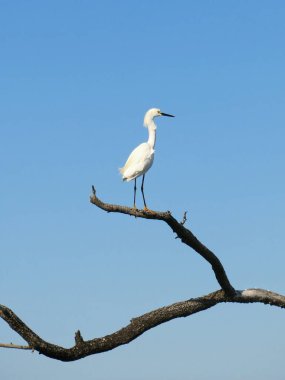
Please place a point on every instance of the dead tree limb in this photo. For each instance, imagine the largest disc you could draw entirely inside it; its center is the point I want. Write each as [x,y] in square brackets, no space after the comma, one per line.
[182,232]
[136,327]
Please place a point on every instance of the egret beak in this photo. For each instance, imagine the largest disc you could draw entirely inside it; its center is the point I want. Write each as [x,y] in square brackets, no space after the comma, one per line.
[166,114]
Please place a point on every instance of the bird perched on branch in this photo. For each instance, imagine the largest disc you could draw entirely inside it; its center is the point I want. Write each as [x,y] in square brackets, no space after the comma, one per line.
[141,158]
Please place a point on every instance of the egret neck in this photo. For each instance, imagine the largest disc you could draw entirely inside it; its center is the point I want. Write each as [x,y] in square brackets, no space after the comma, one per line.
[151,133]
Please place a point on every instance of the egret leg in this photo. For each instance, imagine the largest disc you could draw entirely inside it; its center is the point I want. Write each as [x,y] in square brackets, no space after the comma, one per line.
[135,190]
[145,206]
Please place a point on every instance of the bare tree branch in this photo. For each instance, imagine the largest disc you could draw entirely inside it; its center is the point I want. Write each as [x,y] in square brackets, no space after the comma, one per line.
[143,323]
[137,326]
[182,232]
[17,346]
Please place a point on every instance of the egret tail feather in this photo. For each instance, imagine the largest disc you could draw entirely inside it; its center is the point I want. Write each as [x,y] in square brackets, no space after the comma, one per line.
[121,170]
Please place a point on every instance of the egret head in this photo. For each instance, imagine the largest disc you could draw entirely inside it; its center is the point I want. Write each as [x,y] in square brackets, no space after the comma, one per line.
[151,114]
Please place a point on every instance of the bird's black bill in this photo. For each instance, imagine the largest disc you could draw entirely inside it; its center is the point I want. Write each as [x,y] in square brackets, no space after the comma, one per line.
[166,114]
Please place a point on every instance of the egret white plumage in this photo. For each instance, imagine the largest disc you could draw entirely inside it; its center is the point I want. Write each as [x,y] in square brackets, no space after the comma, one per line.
[141,158]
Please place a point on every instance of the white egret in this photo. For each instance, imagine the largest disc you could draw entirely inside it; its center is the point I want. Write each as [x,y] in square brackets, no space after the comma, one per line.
[141,158]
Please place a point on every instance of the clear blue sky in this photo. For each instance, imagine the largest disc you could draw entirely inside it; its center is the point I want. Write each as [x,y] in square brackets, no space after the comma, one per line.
[76,79]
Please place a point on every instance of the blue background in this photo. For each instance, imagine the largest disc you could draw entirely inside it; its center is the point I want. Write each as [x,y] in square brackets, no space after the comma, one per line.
[76,80]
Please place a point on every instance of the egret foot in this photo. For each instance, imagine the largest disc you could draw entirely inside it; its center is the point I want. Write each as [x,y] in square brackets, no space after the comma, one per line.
[146,209]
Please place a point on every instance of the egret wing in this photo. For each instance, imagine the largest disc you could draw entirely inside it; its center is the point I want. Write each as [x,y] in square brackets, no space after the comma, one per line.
[139,161]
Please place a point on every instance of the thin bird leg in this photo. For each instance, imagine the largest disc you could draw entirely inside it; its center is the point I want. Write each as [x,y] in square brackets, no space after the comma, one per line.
[135,190]
[145,206]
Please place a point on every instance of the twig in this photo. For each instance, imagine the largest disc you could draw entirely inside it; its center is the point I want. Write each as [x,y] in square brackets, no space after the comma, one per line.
[184,218]
[78,338]
[17,346]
